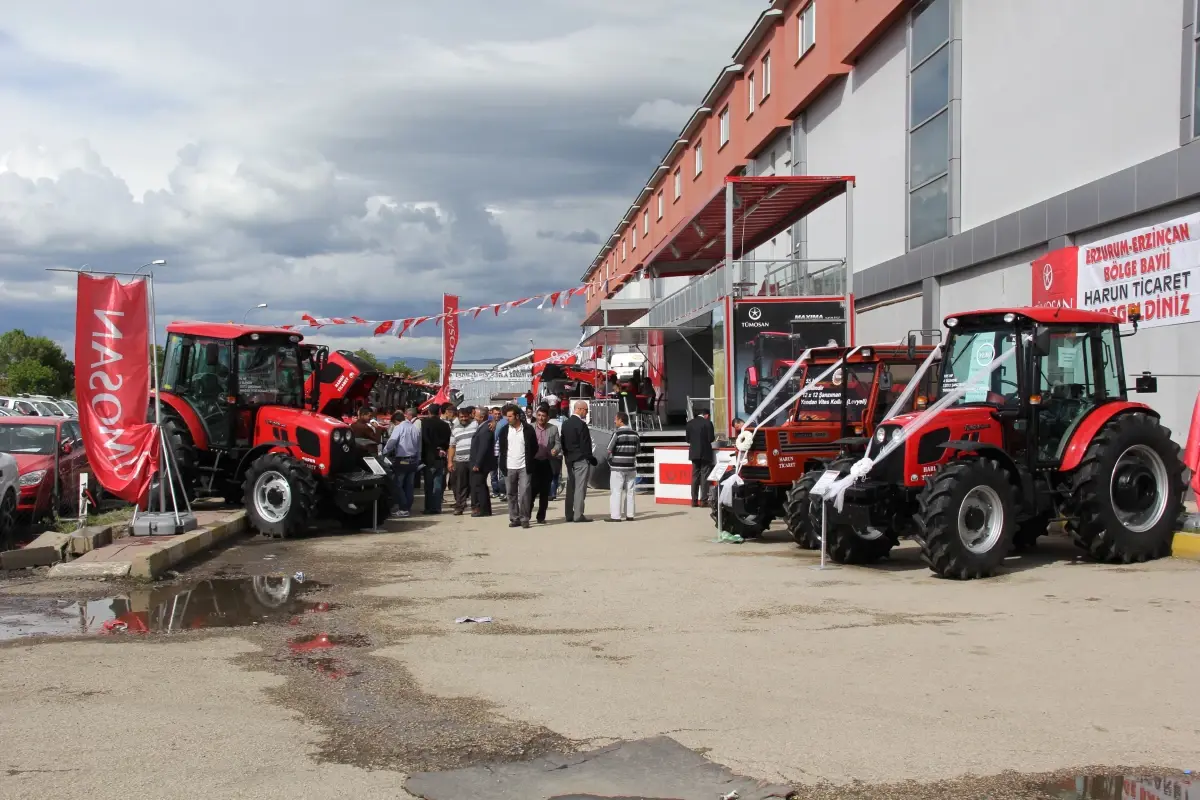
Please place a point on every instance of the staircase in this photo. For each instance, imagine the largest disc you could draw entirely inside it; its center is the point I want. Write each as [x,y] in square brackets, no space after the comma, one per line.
[645,458]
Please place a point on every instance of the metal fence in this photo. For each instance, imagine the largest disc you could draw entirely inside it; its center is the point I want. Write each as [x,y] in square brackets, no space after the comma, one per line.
[697,296]
[480,393]
[803,278]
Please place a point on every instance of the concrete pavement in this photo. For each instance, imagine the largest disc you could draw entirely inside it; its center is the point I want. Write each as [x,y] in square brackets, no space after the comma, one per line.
[607,632]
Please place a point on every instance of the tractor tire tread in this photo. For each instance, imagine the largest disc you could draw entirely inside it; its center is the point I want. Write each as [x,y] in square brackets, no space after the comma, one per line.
[304,494]
[845,546]
[1086,522]
[941,547]
[798,513]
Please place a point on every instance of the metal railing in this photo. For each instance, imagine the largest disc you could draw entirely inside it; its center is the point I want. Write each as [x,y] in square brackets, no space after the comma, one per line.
[689,301]
[785,277]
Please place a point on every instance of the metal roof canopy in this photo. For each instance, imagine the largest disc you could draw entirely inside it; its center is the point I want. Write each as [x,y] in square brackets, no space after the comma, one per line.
[611,313]
[762,207]
[636,335]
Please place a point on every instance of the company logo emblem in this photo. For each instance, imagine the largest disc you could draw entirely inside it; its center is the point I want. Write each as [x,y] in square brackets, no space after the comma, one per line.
[1047,276]
[985,355]
[755,313]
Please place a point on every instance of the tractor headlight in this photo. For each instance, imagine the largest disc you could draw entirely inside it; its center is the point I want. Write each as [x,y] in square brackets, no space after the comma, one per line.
[896,434]
[341,434]
[881,435]
[32,478]
[760,459]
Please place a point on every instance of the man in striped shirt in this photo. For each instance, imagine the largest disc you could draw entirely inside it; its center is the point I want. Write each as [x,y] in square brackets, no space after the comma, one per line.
[461,433]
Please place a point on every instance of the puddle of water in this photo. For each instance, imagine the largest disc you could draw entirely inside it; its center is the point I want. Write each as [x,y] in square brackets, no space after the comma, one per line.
[1117,787]
[323,641]
[214,603]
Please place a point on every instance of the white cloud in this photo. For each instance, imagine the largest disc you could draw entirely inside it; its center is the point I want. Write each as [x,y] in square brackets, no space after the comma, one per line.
[357,160]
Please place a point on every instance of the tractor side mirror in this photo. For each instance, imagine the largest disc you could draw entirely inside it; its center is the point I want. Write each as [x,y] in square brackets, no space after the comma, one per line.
[212,354]
[1041,342]
[912,346]
[1146,384]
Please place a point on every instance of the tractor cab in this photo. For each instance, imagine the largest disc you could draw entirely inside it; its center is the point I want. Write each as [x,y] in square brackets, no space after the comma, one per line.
[769,349]
[225,373]
[1032,422]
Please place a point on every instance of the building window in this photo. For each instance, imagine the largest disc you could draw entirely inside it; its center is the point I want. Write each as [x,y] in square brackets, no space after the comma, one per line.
[929,123]
[678,182]
[1195,71]
[623,250]
[723,120]
[645,223]
[751,100]
[660,205]
[806,28]
[633,236]
[764,71]
[699,159]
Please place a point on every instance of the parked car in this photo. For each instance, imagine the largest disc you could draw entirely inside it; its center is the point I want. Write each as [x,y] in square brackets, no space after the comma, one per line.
[57,408]
[20,405]
[8,500]
[50,457]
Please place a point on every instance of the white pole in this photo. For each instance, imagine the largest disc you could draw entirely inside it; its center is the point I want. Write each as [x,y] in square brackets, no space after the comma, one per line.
[162,490]
[849,287]
[824,529]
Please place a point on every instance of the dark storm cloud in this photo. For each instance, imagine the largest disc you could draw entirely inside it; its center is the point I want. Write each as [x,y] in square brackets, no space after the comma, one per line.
[588,236]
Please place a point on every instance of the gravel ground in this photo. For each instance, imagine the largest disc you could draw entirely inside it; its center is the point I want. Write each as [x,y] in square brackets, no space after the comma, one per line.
[849,682]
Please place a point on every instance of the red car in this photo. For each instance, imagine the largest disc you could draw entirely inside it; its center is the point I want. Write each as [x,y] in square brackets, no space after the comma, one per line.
[45,447]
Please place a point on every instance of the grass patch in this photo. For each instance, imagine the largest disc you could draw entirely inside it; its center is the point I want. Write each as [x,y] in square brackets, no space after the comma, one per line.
[115,517]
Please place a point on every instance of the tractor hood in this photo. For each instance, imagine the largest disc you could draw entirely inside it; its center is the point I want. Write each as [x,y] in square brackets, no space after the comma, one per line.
[955,417]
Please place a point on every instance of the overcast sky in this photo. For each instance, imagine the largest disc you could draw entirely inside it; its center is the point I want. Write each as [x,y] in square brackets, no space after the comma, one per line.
[358,157]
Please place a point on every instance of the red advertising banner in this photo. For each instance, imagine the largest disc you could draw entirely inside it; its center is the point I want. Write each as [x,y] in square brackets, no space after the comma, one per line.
[449,336]
[112,384]
[565,356]
[1056,278]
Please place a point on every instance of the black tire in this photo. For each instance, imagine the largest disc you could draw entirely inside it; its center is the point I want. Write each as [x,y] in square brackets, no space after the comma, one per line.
[970,490]
[747,526]
[1029,531]
[1131,455]
[800,522]
[749,395]
[280,495]
[377,514]
[184,449]
[8,521]
[847,544]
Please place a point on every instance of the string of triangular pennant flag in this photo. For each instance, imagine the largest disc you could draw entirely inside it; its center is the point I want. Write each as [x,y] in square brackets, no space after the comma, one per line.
[399,327]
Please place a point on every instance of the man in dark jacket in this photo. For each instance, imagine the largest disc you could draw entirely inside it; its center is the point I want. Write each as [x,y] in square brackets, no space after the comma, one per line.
[435,443]
[577,451]
[483,461]
[518,448]
[700,436]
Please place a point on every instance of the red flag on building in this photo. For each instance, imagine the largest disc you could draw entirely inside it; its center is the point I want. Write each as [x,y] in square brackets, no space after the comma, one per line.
[1191,453]
[449,336]
[112,384]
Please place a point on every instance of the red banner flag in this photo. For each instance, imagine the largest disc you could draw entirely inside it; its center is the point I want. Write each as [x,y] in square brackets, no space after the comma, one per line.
[112,384]
[1191,453]
[449,336]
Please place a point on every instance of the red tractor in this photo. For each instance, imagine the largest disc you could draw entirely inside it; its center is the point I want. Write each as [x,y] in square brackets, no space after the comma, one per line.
[774,353]
[834,419]
[1048,433]
[234,407]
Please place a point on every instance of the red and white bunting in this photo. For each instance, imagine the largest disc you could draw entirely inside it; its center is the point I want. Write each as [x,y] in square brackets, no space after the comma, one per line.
[399,327]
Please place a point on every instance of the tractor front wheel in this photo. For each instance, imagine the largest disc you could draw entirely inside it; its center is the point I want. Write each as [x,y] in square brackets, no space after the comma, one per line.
[748,525]
[967,519]
[280,495]
[1127,493]
[799,514]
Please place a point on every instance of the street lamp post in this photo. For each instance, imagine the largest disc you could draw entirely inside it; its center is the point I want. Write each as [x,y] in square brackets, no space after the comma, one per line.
[248,310]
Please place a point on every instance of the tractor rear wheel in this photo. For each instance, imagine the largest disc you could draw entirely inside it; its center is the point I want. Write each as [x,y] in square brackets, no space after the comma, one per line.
[748,525]
[1127,493]
[280,495]
[799,514]
[967,519]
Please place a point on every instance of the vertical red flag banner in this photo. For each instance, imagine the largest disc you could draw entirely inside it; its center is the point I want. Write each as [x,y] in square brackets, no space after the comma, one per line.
[112,384]
[449,336]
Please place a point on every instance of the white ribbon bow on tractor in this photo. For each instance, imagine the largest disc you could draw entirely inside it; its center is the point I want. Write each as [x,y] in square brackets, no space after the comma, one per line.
[745,439]
[860,468]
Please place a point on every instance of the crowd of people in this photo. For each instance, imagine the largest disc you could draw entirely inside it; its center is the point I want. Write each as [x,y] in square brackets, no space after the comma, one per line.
[480,455]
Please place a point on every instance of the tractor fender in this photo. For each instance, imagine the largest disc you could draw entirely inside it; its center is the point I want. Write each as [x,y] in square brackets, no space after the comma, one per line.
[183,409]
[256,451]
[993,452]
[1091,425]
[752,374]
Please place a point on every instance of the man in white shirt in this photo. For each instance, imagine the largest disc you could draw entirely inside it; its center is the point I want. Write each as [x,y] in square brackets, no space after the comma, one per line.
[518,446]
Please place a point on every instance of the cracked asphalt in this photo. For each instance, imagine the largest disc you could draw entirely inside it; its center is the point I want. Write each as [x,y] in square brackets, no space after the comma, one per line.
[846,682]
